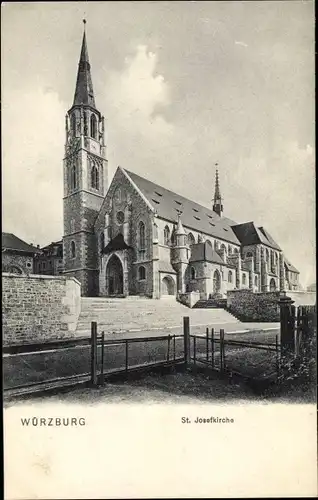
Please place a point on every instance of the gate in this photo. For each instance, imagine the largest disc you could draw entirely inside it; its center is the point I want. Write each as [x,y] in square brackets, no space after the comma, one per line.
[298,328]
[125,356]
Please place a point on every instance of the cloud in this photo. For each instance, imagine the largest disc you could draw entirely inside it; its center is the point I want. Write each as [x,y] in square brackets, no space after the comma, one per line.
[33,141]
[241,43]
[138,131]
[137,91]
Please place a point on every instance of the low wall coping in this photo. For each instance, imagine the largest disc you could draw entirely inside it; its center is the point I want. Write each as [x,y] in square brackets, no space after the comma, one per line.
[41,276]
[248,290]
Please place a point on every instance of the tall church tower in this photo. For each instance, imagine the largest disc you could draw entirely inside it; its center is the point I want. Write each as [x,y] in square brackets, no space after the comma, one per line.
[85,179]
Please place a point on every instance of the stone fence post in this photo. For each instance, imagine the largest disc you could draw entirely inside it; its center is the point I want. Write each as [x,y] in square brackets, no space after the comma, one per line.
[287,325]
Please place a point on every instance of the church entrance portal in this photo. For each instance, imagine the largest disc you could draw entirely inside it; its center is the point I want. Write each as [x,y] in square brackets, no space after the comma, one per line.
[114,277]
[216,282]
[167,286]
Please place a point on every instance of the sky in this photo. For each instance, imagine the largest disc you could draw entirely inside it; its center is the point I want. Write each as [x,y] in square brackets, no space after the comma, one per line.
[182,85]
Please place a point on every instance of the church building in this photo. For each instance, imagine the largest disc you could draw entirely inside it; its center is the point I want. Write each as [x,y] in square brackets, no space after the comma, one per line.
[134,237]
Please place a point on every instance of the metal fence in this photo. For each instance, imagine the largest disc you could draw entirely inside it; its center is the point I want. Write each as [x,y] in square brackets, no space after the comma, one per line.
[31,367]
[124,356]
[222,353]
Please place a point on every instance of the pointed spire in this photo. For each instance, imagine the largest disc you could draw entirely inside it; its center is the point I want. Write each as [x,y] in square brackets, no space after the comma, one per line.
[84,93]
[217,192]
[217,205]
[180,229]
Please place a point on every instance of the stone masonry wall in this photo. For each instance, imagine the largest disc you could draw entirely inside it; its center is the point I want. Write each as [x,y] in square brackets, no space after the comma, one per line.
[249,306]
[24,263]
[138,212]
[38,308]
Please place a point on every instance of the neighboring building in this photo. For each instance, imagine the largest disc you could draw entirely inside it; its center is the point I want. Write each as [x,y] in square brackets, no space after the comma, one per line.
[50,260]
[291,276]
[311,288]
[17,255]
[137,237]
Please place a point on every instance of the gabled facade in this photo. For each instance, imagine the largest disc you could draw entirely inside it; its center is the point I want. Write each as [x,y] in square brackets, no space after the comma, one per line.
[17,255]
[50,259]
[138,238]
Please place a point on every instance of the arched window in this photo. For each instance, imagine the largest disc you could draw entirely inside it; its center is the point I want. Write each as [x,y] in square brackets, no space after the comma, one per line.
[272,285]
[141,236]
[94,177]
[173,238]
[230,249]
[73,125]
[166,235]
[14,270]
[117,195]
[209,242]
[142,273]
[192,273]
[236,250]
[244,279]
[73,250]
[216,281]
[191,239]
[267,255]
[223,247]
[155,232]
[255,281]
[230,277]
[93,127]
[85,124]
[73,176]
[102,240]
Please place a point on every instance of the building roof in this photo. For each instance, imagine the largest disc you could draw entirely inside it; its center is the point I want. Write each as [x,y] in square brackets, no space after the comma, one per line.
[166,267]
[12,242]
[249,234]
[290,266]
[205,252]
[84,93]
[117,243]
[53,244]
[194,216]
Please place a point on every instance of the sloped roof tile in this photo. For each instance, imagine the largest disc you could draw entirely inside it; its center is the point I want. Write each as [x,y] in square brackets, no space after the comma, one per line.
[12,242]
[194,216]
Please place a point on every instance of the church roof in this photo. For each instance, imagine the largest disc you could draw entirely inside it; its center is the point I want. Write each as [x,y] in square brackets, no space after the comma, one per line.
[205,252]
[194,216]
[249,234]
[166,267]
[84,93]
[290,266]
[12,242]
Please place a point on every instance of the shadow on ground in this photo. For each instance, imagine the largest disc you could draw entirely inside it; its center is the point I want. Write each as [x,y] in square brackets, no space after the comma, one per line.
[172,388]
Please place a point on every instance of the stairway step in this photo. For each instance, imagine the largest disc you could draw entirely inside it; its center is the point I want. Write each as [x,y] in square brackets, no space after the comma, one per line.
[140,313]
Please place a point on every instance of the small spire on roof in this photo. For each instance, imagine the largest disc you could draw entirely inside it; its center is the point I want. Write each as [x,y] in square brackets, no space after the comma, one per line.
[217,205]
[180,229]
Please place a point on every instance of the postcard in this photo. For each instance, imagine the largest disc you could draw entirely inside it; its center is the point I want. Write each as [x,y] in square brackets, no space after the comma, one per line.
[158,250]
